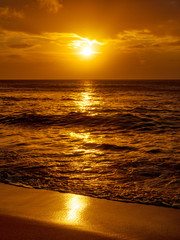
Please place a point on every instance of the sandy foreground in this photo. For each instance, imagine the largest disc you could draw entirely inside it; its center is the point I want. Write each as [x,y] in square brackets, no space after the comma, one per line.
[40,214]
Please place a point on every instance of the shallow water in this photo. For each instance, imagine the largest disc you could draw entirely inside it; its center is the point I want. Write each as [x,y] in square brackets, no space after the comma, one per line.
[117,140]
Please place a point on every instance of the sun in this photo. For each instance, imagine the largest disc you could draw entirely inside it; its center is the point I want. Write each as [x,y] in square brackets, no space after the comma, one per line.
[86,47]
[87,51]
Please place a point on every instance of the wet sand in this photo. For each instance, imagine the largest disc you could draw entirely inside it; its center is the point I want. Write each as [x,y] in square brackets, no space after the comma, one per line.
[40,214]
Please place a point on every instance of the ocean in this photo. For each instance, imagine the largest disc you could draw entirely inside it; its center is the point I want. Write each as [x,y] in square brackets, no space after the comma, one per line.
[112,139]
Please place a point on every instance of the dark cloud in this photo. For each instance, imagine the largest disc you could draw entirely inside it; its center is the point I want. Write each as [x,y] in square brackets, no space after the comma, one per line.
[175,43]
[137,46]
[6,13]
[94,17]
[156,45]
[113,16]
[32,16]
[50,5]
[14,56]
[22,45]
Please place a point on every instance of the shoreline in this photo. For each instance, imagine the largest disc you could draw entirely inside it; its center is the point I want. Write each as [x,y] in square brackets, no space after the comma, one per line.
[175,206]
[42,214]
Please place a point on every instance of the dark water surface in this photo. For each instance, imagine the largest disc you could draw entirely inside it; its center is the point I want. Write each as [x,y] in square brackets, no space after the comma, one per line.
[117,140]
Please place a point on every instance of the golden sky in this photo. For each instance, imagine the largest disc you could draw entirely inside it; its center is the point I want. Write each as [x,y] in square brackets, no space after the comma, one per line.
[89,39]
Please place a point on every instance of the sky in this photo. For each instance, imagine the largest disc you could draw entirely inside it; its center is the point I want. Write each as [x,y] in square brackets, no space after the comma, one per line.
[89,39]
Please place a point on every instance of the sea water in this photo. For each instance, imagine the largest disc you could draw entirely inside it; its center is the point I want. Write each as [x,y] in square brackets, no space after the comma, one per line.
[117,140]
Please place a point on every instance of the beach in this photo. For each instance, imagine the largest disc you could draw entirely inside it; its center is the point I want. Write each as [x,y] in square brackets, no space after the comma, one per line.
[40,214]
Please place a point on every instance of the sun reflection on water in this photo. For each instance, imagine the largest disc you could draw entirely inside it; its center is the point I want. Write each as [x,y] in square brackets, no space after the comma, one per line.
[84,136]
[85,101]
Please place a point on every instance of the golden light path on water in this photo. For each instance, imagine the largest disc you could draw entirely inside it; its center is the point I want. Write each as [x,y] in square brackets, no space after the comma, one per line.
[86,103]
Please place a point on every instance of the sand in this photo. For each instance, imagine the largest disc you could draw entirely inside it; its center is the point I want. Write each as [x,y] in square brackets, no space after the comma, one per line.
[39,214]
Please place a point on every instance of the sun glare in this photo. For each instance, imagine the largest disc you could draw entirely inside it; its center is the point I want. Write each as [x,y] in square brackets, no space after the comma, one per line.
[86,47]
[87,51]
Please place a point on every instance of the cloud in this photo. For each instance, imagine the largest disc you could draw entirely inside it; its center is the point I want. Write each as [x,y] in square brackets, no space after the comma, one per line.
[175,43]
[33,16]
[137,46]
[91,18]
[51,5]
[55,44]
[14,56]
[143,40]
[49,44]
[21,8]
[20,45]
[6,12]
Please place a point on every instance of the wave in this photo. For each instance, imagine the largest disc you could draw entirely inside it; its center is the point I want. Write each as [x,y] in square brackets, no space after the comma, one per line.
[111,147]
[114,122]
[16,99]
